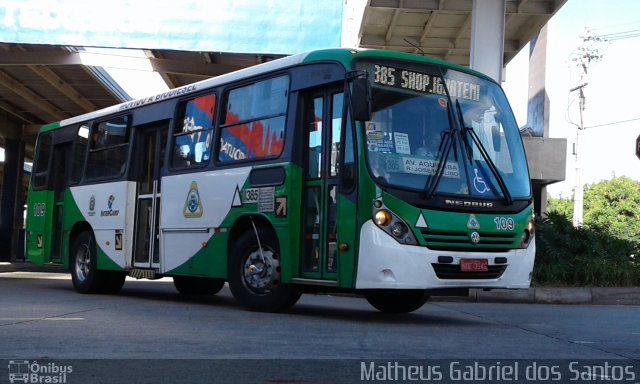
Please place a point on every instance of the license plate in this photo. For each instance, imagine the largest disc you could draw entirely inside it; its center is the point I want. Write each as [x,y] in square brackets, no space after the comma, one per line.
[474,265]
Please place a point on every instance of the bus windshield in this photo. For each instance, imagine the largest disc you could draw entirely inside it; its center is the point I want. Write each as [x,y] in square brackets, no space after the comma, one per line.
[445,131]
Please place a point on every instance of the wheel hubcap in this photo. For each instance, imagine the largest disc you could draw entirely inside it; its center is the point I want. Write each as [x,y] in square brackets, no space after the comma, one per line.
[83,262]
[261,271]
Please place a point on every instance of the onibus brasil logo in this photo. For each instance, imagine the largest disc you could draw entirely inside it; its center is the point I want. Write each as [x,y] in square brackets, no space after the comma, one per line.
[25,371]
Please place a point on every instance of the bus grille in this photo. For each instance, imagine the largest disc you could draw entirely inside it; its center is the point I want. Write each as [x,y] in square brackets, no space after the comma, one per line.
[452,271]
[460,241]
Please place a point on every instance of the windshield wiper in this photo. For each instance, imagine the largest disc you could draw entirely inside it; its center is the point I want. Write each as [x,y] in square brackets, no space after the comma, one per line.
[448,142]
[492,167]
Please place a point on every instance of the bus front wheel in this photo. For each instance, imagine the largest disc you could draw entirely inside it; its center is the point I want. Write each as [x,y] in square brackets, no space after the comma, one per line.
[396,301]
[255,275]
[112,281]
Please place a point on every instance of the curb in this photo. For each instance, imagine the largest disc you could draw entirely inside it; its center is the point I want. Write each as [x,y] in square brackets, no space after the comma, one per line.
[560,295]
[535,295]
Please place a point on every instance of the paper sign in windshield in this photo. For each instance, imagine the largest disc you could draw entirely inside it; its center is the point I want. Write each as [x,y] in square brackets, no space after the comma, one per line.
[420,166]
[402,143]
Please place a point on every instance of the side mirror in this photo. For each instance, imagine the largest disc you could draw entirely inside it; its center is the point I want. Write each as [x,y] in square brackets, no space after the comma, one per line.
[361,98]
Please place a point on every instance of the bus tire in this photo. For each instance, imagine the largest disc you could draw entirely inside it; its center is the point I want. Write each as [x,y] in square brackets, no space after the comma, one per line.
[188,285]
[112,281]
[255,275]
[396,300]
[83,263]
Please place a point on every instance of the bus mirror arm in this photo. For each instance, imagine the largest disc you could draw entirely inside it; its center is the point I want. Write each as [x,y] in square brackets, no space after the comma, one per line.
[495,135]
[360,95]
[348,176]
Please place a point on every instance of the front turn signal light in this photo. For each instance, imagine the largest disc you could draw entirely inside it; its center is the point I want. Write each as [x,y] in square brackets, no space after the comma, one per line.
[382,217]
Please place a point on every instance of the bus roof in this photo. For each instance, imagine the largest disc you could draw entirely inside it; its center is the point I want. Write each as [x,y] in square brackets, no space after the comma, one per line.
[342,55]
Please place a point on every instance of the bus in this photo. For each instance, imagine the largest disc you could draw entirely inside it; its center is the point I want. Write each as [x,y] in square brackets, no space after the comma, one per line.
[389,175]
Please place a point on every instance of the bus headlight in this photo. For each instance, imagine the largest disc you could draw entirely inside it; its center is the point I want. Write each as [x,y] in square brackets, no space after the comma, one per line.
[382,217]
[527,234]
[398,229]
[392,224]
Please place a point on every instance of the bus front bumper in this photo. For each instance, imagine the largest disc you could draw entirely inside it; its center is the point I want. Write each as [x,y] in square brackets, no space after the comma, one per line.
[383,263]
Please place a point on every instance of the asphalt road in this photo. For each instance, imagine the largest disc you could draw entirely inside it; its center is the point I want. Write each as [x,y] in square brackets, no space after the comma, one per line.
[151,332]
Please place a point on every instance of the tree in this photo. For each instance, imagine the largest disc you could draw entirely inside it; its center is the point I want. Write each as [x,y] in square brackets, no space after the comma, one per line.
[613,206]
[561,206]
[601,252]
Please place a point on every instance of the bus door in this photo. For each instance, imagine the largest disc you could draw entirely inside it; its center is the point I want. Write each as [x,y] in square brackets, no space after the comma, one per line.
[324,240]
[59,180]
[149,157]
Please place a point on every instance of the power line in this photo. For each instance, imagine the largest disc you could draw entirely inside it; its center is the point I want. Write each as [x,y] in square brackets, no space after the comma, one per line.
[613,123]
[614,35]
[616,25]
[618,33]
[629,36]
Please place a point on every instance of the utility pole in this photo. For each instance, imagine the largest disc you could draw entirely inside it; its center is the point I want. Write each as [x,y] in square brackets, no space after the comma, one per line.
[578,189]
[585,55]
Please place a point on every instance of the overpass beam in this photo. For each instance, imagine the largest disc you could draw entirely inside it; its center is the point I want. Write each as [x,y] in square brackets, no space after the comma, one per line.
[487,37]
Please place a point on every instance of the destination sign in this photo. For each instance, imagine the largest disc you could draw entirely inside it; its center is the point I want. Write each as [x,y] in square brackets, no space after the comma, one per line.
[384,75]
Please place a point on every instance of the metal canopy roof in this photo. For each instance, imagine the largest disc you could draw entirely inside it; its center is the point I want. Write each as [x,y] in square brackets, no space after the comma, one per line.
[41,84]
[442,28]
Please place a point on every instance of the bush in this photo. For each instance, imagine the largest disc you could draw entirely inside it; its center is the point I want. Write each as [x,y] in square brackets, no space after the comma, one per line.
[584,256]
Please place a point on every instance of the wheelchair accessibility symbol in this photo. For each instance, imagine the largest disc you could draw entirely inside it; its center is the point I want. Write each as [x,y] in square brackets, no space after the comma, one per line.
[478,182]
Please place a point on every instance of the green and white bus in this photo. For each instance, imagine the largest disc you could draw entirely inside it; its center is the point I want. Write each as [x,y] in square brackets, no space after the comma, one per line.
[387,174]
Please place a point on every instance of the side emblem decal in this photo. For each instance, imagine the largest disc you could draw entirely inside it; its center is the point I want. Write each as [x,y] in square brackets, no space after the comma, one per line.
[92,205]
[193,204]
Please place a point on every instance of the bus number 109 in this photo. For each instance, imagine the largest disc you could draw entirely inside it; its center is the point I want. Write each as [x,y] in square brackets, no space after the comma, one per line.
[38,209]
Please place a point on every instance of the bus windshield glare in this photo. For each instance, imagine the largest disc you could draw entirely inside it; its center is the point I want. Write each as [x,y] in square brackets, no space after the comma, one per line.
[422,119]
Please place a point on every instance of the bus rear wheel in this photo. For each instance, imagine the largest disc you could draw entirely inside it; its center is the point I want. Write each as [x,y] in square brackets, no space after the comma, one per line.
[255,275]
[84,272]
[396,301]
[188,285]
[85,275]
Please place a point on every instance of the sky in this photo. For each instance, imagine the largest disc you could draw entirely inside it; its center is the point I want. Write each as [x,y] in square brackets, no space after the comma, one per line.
[256,26]
[612,92]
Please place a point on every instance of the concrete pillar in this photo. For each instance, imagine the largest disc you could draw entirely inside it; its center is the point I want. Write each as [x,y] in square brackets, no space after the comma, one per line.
[9,198]
[487,37]
[538,106]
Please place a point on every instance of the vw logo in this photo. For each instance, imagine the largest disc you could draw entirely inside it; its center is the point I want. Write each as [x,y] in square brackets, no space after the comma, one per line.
[475,237]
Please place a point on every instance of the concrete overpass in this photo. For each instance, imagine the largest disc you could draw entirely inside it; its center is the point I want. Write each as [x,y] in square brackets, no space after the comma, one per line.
[44,83]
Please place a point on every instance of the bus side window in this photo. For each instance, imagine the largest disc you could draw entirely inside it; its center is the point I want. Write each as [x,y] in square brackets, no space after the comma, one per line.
[109,146]
[253,121]
[194,132]
[79,151]
[40,172]
[313,127]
